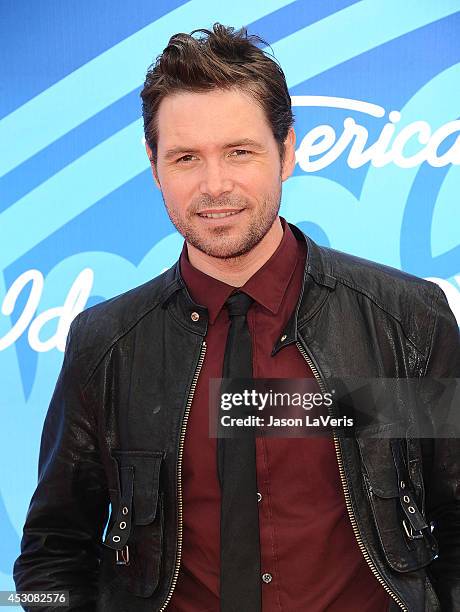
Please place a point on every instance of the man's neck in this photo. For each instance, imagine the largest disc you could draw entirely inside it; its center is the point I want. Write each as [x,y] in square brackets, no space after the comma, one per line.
[237,270]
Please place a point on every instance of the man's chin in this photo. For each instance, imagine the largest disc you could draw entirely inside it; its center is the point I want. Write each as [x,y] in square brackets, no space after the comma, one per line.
[231,249]
[226,242]
[228,252]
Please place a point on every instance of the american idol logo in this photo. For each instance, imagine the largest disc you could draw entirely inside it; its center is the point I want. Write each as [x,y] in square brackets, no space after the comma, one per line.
[32,323]
[389,147]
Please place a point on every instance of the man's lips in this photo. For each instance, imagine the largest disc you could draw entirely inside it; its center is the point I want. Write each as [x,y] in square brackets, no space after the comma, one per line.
[221,213]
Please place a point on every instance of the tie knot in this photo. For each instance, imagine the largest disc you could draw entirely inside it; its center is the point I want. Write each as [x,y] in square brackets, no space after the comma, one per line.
[238,304]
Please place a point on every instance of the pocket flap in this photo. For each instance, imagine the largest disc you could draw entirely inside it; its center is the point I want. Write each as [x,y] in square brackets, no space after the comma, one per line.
[396,515]
[146,466]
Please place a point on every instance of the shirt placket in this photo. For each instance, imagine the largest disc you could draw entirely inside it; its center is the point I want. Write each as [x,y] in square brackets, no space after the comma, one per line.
[270,576]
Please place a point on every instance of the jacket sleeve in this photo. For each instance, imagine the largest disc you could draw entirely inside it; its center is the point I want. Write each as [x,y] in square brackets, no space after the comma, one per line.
[60,547]
[443,476]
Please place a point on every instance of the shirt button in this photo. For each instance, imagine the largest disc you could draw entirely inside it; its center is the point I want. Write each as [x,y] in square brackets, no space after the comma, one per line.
[267,578]
[259,496]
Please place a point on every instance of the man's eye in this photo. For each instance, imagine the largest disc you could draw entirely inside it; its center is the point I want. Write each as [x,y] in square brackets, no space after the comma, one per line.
[186,158]
[240,153]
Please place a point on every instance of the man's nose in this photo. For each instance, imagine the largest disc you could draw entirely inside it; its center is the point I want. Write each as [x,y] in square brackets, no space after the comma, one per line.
[215,180]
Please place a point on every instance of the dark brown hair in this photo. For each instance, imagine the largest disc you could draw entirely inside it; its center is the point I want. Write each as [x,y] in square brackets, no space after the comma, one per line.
[219,59]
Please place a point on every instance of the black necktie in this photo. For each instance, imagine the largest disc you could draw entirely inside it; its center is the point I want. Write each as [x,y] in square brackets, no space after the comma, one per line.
[240,581]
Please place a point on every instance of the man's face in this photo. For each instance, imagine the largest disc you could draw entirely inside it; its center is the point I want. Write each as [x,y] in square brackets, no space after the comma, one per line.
[219,170]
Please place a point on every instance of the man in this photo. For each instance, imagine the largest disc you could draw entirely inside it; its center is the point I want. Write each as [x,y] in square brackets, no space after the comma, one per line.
[336,524]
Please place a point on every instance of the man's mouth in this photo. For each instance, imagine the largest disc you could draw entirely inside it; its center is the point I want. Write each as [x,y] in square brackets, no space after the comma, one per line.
[220,214]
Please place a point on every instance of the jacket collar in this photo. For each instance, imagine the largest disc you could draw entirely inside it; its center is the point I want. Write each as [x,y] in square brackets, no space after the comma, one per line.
[318,282]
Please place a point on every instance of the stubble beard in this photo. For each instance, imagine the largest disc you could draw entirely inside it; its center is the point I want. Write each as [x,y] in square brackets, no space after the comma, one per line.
[217,242]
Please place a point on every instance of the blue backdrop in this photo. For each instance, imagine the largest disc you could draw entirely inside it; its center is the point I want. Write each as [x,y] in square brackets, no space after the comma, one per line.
[376,90]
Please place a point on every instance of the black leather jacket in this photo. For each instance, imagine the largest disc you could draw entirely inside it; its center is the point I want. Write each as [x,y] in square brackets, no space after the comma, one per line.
[116,425]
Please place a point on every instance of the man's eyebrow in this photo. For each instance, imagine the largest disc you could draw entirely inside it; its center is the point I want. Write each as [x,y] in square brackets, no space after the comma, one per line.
[244,142]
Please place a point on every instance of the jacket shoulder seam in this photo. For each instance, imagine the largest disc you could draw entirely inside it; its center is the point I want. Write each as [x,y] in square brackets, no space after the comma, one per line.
[114,340]
[383,307]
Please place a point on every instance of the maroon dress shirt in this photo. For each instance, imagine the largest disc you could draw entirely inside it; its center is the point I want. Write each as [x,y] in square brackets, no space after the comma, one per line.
[310,559]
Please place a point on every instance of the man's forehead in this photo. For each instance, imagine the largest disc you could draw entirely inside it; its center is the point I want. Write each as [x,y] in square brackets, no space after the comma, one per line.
[185,110]
[216,118]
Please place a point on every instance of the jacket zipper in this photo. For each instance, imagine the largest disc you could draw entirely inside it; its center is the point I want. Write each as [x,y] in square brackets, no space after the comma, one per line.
[346,492]
[179,472]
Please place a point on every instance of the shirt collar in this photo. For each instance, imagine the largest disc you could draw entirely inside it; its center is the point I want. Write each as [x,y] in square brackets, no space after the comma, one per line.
[267,286]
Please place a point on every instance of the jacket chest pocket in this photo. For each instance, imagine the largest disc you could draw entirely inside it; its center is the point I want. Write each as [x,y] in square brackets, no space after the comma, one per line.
[398,511]
[136,524]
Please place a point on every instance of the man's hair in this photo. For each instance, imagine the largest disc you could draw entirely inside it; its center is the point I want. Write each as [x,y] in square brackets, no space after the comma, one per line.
[219,59]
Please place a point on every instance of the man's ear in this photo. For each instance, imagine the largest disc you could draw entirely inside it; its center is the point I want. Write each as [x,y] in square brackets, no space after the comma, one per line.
[152,165]
[289,155]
